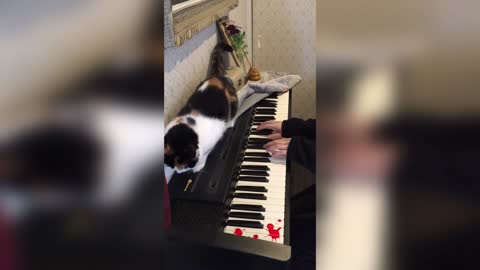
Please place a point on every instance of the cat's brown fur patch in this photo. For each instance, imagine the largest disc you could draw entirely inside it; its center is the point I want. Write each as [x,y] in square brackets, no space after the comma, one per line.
[179,120]
[231,96]
[216,82]
[195,113]
[168,150]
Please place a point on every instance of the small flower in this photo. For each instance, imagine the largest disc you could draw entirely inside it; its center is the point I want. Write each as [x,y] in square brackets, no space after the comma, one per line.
[232,29]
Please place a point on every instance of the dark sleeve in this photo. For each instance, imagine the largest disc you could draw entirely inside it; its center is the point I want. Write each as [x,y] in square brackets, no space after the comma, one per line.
[429,131]
[166,222]
[298,127]
[302,151]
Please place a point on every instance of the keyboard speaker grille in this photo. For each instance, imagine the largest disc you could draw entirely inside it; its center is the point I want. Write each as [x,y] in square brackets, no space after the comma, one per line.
[197,217]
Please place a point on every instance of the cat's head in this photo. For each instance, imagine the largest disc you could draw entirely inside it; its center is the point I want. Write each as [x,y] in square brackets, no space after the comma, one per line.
[181,147]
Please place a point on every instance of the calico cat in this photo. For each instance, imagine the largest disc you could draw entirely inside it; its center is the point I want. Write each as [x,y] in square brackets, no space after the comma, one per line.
[200,124]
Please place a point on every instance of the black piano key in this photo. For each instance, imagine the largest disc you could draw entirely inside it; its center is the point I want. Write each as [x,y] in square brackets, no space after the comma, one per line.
[255,167]
[257,123]
[261,132]
[263,118]
[251,196]
[251,188]
[248,207]
[257,159]
[254,129]
[246,215]
[254,173]
[266,111]
[267,101]
[255,146]
[257,154]
[259,140]
[245,224]
[267,104]
[253,179]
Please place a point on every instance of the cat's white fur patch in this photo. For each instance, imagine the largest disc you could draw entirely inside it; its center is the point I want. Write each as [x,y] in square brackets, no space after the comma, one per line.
[209,131]
[203,86]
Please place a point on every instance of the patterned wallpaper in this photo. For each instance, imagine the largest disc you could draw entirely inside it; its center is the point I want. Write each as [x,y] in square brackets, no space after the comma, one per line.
[186,66]
[284,40]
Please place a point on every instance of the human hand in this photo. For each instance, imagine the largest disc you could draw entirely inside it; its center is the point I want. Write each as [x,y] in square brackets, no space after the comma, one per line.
[275,136]
[277,148]
[355,154]
[276,126]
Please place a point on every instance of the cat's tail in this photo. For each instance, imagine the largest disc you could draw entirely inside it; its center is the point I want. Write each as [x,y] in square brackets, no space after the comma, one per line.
[218,59]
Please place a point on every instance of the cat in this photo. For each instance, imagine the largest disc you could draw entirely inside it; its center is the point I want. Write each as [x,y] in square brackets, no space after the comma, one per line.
[200,124]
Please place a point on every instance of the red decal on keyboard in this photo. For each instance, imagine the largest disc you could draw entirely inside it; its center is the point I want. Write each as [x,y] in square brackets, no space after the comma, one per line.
[238,232]
[272,232]
[255,236]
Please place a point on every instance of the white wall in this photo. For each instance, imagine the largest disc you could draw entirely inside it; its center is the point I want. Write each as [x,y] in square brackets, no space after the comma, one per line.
[285,31]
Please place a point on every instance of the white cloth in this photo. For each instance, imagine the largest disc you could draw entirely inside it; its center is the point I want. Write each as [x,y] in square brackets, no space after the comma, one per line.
[280,84]
[271,82]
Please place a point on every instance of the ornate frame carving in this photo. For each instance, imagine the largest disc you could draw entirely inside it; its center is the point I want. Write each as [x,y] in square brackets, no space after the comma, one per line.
[188,19]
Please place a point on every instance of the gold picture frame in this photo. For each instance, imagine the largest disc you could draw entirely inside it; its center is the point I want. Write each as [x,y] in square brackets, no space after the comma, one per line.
[183,21]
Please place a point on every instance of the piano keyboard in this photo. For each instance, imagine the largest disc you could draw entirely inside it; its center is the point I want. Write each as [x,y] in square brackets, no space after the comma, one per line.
[257,209]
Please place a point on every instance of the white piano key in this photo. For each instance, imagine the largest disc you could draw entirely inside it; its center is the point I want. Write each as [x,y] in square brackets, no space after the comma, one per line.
[271,173]
[274,165]
[275,203]
[275,184]
[271,201]
[269,194]
[270,220]
[274,175]
[267,215]
[268,185]
[272,179]
[263,231]
[268,209]
[266,204]
[259,236]
[277,212]
[263,234]
[270,190]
